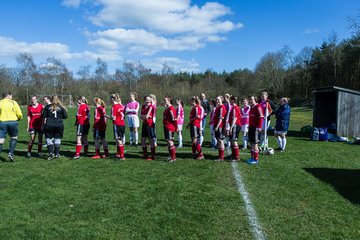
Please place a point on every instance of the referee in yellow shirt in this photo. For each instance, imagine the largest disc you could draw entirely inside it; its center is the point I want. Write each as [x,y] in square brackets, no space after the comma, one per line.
[10,113]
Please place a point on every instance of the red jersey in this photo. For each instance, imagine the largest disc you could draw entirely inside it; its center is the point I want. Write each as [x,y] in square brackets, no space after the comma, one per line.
[195,116]
[220,116]
[35,116]
[148,111]
[83,114]
[100,119]
[255,116]
[264,105]
[235,113]
[118,112]
[169,119]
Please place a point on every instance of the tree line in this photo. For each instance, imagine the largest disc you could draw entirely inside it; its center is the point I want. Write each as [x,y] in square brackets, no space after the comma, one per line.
[280,73]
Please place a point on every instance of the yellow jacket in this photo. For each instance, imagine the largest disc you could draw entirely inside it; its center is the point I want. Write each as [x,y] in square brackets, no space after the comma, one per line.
[9,110]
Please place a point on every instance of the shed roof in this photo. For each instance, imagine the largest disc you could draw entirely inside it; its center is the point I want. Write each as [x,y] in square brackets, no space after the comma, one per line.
[335,89]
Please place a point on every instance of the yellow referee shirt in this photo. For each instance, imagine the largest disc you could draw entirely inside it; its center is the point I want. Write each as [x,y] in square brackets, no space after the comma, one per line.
[9,110]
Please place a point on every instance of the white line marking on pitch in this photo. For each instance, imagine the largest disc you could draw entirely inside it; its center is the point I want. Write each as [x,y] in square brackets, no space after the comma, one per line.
[251,214]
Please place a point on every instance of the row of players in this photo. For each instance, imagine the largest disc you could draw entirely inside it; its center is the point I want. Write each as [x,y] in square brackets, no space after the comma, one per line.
[227,120]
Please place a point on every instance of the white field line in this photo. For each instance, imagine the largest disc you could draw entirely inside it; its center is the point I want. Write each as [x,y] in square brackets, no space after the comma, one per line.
[250,211]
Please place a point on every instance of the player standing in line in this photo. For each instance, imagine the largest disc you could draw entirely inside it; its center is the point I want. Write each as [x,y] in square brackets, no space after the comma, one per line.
[202,117]
[245,110]
[53,116]
[211,123]
[235,128]
[99,128]
[10,114]
[219,123]
[266,111]
[206,110]
[228,108]
[148,127]
[34,125]
[282,115]
[195,127]
[118,118]
[82,124]
[255,123]
[154,103]
[132,111]
[180,120]
[170,126]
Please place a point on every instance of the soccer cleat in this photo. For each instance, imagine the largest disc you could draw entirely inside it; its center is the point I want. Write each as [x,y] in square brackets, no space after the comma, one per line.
[28,154]
[278,149]
[119,158]
[282,150]
[76,156]
[172,160]
[51,157]
[180,146]
[40,154]
[11,158]
[57,156]
[96,157]
[149,159]
[252,161]
[200,157]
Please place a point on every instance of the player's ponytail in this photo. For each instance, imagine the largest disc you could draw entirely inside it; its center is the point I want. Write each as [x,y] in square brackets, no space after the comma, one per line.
[55,102]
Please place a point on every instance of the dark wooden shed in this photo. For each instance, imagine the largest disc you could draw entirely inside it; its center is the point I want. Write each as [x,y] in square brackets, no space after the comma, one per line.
[340,106]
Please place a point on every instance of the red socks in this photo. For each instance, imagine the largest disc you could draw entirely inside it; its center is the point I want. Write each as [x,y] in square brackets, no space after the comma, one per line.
[236,153]
[78,149]
[221,153]
[172,152]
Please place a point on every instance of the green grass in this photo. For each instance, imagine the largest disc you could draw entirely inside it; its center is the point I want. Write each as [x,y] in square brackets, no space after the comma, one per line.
[312,191]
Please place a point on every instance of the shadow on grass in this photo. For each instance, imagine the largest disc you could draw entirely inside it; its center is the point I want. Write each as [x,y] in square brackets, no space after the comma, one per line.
[345,181]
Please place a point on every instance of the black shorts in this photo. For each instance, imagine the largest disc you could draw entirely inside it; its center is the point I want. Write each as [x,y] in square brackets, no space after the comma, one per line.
[195,132]
[219,134]
[99,134]
[168,134]
[148,132]
[54,132]
[234,134]
[82,130]
[33,131]
[253,135]
[119,132]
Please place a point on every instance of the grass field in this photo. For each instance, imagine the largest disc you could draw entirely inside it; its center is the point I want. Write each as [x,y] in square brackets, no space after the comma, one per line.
[312,191]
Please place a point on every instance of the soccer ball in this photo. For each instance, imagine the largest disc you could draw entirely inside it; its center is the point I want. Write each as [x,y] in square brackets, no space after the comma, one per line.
[270,151]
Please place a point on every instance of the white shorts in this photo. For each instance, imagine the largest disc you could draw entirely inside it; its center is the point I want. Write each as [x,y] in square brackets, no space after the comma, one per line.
[180,127]
[245,128]
[280,132]
[133,121]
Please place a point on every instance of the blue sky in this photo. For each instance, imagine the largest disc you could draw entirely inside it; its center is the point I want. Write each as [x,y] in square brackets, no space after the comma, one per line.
[187,35]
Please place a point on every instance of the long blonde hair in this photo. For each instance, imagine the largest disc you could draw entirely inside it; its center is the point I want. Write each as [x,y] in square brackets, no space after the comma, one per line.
[55,102]
[116,97]
[99,101]
[83,99]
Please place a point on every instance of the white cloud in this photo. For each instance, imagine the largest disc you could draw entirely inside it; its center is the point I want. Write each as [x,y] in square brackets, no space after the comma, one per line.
[42,50]
[165,16]
[310,31]
[140,41]
[147,27]
[71,3]
[176,64]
